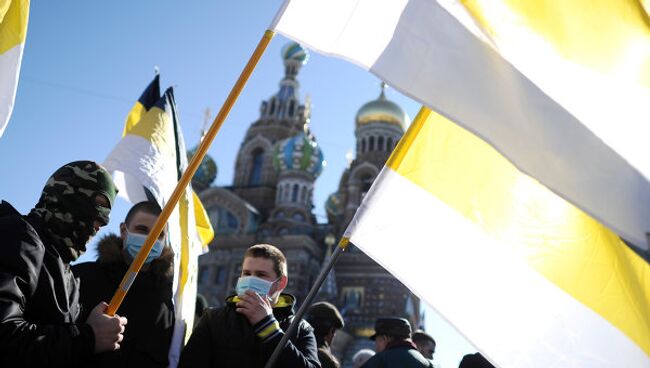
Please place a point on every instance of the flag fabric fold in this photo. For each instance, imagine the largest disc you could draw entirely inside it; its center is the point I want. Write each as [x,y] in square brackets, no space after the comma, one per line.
[14,16]
[147,165]
[560,88]
[528,278]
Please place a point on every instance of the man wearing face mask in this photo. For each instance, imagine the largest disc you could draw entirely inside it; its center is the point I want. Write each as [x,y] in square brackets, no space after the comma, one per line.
[148,305]
[247,329]
[40,324]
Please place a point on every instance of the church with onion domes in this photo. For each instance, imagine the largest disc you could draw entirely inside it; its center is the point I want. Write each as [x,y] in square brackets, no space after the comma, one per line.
[271,201]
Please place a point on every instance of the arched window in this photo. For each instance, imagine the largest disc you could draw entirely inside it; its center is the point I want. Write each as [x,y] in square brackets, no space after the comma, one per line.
[366,183]
[363,145]
[272,107]
[380,143]
[255,177]
[279,196]
[294,193]
[263,108]
[389,144]
[371,144]
[303,194]
[292,106]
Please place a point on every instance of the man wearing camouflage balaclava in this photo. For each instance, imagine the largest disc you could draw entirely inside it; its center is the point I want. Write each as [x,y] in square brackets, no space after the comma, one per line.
[70,208]
[38,293]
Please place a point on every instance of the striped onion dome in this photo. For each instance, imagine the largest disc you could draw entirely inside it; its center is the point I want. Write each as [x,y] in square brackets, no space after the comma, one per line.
[299,152]
[293,51]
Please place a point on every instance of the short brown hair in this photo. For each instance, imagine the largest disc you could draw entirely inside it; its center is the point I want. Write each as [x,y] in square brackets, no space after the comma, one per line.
[271,252]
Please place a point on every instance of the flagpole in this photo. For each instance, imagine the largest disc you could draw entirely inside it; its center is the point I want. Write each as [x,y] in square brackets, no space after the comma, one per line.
[307,303]
[193,165]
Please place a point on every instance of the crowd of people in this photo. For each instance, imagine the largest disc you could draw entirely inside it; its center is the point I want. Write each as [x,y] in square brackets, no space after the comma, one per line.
[54,314]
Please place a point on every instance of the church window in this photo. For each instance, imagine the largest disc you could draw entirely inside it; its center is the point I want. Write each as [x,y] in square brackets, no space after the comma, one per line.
[291,108]
[272,108]
[298,217]
[389,144]
[279,196]
[294,193]
[303,195]
[255,177]
[363,145]
[366,183]
[371,144]
[380,144]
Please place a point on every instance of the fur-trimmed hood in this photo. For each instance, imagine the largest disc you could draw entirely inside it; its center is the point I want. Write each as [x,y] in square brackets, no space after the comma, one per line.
[110,251]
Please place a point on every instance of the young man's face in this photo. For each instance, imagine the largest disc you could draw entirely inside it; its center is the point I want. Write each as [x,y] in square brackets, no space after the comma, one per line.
[427,348]
[141,223]
[263,268]
[260,267]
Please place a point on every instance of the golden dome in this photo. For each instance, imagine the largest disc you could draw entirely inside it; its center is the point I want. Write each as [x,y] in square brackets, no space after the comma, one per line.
[382,110]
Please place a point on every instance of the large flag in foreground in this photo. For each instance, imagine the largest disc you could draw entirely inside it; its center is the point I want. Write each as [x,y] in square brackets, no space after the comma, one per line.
[528,278]
[147,164]
[560,88]
[14,15]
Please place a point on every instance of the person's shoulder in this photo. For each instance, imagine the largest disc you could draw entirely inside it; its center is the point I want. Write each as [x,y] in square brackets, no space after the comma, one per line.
[18,235]
[13,223]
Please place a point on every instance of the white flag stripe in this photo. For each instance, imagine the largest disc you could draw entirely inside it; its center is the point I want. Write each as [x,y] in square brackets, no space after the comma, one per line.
[143,164]
[9,71]
[477,283]
[422,50]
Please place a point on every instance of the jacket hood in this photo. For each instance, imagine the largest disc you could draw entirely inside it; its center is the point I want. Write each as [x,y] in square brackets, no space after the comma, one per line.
[110,251]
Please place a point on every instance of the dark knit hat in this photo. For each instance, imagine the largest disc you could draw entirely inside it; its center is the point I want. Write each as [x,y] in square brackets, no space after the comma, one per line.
[324,311]
[392,326]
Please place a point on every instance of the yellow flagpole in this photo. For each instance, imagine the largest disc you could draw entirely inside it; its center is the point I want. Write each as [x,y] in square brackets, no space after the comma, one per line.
[193,165]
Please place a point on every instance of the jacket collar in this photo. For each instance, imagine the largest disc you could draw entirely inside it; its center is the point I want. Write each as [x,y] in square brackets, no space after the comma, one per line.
[109,248]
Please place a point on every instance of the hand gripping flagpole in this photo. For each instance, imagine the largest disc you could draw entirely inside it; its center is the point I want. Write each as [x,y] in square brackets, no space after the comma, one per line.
[343,244]
[193,165]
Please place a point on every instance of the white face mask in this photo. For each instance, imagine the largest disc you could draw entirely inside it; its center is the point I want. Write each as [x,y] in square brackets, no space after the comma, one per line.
[254,283]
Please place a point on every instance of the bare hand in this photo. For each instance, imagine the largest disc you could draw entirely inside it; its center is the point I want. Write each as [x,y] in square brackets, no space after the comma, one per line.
[108,330]
[254,307]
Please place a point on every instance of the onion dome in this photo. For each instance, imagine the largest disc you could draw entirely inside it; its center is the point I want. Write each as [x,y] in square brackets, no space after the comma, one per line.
[294,52]
[334,205]
[301,153]
[382,110]
[207,171]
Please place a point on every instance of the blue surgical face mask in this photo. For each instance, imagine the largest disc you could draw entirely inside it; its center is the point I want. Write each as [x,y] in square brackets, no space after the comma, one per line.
[135,241]
[254,283]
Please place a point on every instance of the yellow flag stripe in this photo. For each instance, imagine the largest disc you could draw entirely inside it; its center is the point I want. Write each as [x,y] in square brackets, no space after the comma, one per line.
[605,35]
[562,243]
[203,225]
[14,15]
[135,115]
[155,126]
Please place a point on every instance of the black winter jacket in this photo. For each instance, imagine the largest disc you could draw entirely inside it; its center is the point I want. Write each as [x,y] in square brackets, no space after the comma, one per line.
[225,338]
[148,305]
[399,354]
[38,299]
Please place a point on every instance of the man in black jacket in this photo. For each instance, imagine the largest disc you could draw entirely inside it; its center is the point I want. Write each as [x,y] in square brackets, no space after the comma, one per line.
[39,307]
[148,305]
[247,329]
[394,346]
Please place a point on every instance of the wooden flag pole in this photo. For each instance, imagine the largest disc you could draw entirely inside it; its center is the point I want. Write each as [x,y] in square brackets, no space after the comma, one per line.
[193,165]
[343,244]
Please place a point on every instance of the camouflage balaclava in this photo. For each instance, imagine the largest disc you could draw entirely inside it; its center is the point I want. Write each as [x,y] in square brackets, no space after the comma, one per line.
[68,205]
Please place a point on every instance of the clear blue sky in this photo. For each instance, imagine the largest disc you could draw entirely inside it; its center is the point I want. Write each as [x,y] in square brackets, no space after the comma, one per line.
[85,64]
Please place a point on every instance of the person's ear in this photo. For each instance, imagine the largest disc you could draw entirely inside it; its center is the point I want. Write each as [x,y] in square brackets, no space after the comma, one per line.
[282,283]
[123,230]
